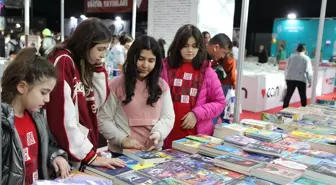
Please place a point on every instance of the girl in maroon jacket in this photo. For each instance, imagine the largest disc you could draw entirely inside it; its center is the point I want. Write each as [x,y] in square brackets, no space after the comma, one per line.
[81,89]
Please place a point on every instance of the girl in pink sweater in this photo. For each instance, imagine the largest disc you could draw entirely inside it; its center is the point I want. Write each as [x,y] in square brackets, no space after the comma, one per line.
[196,90]
[139,111]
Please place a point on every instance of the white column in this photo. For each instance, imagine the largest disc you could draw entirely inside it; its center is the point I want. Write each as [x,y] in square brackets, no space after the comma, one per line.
[318,50]
[26,22]
[242,42]
[134,17]
[62,20]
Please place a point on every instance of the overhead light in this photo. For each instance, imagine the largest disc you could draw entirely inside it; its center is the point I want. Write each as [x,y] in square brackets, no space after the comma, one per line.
[73,18]
[291,16]
[118,18]
[83,17]
[17,26]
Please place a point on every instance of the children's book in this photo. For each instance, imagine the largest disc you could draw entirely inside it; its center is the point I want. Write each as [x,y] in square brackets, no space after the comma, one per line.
[134,178]
[276,174]
[144,157]
[306,181]
[134,164]
[262,149]
[205,139]
[186,145]
[252,181]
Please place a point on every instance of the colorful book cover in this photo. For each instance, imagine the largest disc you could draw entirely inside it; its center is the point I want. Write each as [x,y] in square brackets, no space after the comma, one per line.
[266,134]
[321,142]
[201,177]
[276,146]
[316,154]
[263,148]
[236,160]
[135,178]
[255,157]
[228,173]
[205,139]
[193,163]
[305,181]
[167,170]
[176,153]
[112,172]
[227,149]
[305,135]
[144,154]
[168,181]
[240,140]
[188,142]
[135,165]
[279,171]
[288,141]
[252,181]
[202,158]
[324,168]
[301,158]
[290,164]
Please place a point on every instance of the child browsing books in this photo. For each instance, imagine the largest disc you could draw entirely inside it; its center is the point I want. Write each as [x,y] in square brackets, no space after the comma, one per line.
[195,88]
[139,112]
[26,86]
[80,91]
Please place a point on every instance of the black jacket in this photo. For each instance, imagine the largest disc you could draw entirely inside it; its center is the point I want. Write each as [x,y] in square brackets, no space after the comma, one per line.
[12,153]
[263,56]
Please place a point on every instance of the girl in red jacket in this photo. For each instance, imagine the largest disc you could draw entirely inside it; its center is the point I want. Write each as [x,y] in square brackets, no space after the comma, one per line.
[81,89]
[196,91]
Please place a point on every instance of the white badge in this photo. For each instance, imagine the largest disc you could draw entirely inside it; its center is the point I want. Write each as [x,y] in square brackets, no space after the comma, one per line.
[193,92]
[187,76]
[184,99]
[178,82]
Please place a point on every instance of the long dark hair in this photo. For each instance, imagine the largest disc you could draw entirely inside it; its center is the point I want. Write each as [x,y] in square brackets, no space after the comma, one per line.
[27,66]
[131,72]
[182,35]
[87,35]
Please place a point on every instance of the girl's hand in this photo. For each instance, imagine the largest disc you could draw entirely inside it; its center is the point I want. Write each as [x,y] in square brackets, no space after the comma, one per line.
[153,141]
[110,163]
[62,166]
[189,121]
[129,143]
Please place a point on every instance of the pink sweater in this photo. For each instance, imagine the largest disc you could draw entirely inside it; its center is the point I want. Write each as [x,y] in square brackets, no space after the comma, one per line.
[135,119]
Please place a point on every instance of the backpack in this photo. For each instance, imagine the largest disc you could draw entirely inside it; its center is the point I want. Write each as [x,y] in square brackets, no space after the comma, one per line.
[17,48]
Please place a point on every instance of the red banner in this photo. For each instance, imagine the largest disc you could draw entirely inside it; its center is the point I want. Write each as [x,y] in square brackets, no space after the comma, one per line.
[113,6]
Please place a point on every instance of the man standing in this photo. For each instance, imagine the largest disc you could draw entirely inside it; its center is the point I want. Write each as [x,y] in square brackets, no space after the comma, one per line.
[223,62]
[48,43]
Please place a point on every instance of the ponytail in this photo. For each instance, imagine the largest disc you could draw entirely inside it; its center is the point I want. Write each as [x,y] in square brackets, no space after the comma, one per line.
[28,67]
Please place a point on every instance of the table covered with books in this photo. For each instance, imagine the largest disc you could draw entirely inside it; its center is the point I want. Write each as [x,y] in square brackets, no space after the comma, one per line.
[295,146]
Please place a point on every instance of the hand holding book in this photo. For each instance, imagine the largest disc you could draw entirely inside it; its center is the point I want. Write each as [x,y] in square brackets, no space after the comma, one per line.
[153,141]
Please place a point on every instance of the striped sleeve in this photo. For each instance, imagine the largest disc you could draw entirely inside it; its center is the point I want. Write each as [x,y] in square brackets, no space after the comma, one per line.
[62,115]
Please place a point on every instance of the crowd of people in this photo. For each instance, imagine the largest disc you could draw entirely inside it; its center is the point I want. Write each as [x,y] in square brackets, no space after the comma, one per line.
[55,104]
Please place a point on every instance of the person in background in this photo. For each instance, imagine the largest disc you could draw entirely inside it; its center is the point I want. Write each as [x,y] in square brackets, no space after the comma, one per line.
[13,45]
[235,50]
[206,37]
[262,55]
[48,43]
[80,91]
[115,57]
[281,55]
[29,153]
[162,49]
[138,88]
[298,73]
[196,91]
[220,49]
[115,40]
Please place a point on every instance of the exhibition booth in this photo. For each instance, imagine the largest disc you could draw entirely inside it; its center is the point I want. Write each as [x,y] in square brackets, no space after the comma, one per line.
[263,85]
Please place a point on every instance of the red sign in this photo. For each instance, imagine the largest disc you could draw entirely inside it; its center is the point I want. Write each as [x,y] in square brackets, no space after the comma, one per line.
[113,6]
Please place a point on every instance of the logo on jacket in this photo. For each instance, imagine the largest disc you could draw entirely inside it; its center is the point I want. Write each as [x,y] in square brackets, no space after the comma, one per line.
[270,92]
